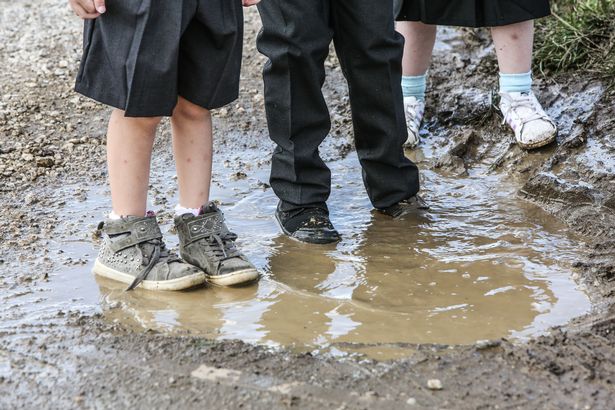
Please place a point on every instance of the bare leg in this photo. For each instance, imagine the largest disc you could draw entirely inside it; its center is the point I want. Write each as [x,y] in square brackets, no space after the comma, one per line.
[192,147]
[420,39]
[129,151]
[513,45]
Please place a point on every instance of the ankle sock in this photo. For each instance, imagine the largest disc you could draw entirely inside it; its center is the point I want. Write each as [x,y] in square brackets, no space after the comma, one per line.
[113,216]
[181,210]
[516,83]
[414,86]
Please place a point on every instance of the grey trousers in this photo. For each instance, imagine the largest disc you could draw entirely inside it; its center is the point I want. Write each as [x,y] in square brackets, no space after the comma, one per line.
[295,37]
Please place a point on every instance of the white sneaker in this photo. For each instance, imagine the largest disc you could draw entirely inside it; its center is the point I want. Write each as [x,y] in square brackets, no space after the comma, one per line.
[414,110]
[532,126]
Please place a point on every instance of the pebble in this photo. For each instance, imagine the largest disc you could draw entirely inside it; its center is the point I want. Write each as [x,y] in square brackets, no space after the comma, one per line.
[434,384]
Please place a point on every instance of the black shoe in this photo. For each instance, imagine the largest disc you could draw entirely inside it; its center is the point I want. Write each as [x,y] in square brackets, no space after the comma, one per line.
[405,207]
[311,225]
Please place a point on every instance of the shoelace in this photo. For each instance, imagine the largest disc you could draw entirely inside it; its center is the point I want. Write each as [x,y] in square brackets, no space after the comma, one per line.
[413,109]
[222,242]
[524,101]
[159,249]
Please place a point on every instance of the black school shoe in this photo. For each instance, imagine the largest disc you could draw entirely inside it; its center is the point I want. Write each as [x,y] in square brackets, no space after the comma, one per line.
[311,225]
[408,206]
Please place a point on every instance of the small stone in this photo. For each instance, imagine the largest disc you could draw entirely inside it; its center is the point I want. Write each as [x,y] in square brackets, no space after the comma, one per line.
[411,401]
[45,162]
[434,384]
[31,199]
[487,344]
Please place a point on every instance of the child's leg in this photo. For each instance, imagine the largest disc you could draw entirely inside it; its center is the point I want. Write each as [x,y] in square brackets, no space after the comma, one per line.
[192,147]
[532,126]
[513,45]
[129,150]
[420,39]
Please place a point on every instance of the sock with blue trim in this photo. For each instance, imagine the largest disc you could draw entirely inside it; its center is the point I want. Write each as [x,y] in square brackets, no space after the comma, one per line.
[516,83]
[414,86]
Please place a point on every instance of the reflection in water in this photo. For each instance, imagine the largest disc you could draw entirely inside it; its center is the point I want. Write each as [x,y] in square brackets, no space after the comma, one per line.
[479,265]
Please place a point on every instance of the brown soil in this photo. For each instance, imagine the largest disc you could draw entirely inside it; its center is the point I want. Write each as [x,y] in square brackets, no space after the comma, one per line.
[49,137]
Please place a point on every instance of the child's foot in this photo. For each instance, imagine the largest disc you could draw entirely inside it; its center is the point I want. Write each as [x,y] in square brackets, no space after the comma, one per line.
[532,126]
[414,110]
[133,252]
[405,207]
[311,225]
[206,242]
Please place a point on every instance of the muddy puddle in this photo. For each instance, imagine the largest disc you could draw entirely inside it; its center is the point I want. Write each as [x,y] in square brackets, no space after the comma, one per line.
[481,264]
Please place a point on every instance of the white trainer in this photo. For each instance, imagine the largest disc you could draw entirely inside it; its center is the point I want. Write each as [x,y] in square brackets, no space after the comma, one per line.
[414,110]
[532,126]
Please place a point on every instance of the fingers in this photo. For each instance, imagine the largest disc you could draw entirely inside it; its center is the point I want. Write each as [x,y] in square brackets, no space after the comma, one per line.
[83,13]
[99,5]
[248,3]
[84,8]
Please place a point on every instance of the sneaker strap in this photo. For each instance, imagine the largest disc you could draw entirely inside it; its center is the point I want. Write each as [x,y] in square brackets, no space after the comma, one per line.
[140,230]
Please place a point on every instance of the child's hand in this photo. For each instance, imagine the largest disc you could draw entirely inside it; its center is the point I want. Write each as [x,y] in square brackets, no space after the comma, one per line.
[248,3]
[90,9]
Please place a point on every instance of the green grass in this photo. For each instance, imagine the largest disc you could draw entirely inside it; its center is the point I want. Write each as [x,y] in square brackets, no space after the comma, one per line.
[579,36]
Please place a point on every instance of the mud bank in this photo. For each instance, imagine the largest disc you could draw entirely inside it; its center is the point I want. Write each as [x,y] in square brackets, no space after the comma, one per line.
[68,354]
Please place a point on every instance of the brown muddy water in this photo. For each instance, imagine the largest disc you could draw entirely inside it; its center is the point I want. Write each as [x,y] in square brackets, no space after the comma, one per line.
[481,264]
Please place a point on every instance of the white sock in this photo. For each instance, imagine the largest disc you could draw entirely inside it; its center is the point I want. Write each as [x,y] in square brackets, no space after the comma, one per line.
[113,216]
[181,210]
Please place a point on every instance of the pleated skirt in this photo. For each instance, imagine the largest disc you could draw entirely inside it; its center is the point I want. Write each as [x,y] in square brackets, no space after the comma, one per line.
[471,13]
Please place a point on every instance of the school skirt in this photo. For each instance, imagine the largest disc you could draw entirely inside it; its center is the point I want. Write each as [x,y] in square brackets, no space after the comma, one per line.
[141,55]
[471,13]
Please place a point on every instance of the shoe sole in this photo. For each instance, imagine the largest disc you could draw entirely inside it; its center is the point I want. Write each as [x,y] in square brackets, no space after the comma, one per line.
[165,285]
[315,241]
[232,279]
[539,144]
[411,145]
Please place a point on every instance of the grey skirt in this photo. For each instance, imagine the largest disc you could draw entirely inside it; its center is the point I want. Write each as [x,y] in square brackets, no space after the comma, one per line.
[142,54]
[471,13]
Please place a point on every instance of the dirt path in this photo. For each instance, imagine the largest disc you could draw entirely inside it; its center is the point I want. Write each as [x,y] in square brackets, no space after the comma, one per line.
[74,358]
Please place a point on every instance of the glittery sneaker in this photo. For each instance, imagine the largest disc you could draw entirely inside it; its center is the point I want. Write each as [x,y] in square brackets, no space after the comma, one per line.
[133,252]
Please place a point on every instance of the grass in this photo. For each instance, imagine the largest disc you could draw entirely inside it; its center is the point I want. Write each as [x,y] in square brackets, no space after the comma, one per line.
[579,36]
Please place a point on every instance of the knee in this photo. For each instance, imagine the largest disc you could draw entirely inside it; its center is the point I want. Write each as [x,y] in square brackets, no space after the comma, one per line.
[148,124]
[187,111]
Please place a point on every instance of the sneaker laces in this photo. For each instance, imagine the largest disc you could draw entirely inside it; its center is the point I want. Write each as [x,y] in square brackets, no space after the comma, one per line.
[524,101]
[152,260]
[413,108]
[225,248]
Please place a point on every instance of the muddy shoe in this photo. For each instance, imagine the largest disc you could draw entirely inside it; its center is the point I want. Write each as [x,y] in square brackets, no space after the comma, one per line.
[206,242]
[532,126]
[414,110]
[311,225]
[133,252]
[411,205]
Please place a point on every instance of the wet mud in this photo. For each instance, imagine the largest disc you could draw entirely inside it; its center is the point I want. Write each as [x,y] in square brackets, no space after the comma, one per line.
[501,296]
